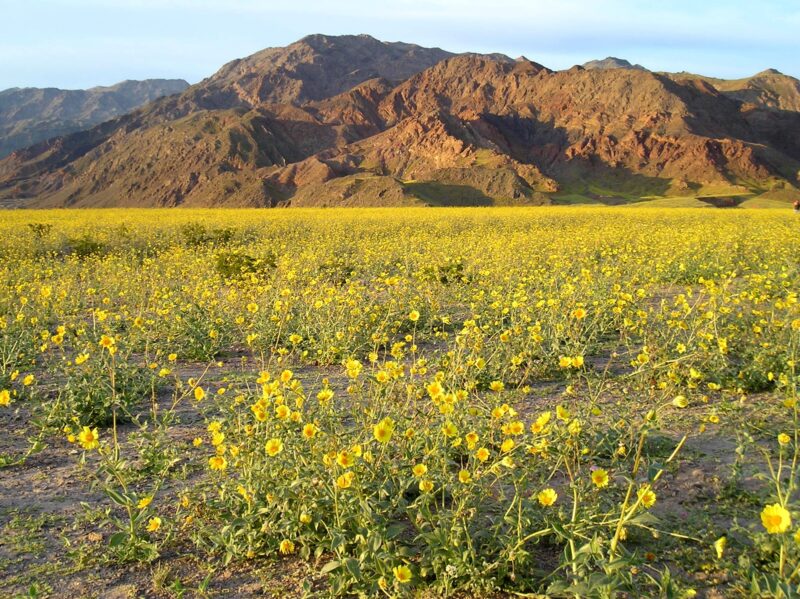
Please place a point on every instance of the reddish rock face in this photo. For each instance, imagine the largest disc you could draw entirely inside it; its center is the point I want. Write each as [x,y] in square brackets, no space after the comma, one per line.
[354,121]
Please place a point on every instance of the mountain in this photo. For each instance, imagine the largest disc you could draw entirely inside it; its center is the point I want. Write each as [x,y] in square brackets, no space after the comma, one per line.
[612,63]
[350,120]
[29,115]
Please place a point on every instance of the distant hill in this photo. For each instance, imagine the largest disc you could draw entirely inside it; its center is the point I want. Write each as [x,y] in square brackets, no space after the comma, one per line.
[350,120]
[29,115]
[767,89]
[612,63]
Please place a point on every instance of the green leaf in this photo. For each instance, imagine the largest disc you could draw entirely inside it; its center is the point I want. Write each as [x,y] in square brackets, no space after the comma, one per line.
[394,530]
[118,538]
[353,567]
[118,497]
[206,581]
[645,518]
[330,566]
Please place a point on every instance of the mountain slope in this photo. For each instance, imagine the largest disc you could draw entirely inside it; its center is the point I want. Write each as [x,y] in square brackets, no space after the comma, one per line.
[30,115]
[353,121]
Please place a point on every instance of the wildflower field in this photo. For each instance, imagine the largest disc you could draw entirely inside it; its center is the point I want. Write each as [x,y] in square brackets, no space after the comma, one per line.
[562,402]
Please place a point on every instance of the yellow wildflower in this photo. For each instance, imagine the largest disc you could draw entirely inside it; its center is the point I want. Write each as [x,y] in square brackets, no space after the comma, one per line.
[89,438]
[547,497]
[776,519]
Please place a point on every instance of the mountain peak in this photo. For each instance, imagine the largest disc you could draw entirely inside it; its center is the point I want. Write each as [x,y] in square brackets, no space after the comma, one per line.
[522,60]
[766,72]
[313,68]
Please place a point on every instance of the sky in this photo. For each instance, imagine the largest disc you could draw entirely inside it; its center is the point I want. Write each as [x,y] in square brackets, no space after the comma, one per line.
[82,43]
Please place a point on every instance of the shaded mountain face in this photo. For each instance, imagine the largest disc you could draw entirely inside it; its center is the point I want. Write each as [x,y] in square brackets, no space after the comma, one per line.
[30,115]
[347,121]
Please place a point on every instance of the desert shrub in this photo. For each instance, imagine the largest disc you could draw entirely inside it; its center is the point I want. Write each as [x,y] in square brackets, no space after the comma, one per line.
[40,230]
[83,246]
[102,387]
[446,273]
[197,234]
[235,264]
